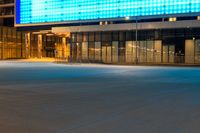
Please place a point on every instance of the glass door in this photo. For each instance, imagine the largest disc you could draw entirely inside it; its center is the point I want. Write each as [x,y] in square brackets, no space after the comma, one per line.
[107,54]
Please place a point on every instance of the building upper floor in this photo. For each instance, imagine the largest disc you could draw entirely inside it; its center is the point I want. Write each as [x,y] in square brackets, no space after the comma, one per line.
[7,8]
[37,12]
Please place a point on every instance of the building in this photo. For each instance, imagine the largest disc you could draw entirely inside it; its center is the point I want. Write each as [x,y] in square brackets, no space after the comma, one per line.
[123,31]
[7,13]
[11,41]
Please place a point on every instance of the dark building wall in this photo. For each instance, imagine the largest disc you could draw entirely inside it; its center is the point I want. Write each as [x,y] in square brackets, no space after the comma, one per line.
[7,13]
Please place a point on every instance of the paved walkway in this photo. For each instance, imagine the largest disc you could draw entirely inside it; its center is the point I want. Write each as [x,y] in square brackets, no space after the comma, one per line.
[55,98]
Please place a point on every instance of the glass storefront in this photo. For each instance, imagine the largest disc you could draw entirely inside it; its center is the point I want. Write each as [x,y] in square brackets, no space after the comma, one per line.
[15,45]
[168,46]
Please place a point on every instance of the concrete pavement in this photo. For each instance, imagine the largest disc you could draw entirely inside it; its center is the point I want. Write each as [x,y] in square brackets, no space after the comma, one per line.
[55,98]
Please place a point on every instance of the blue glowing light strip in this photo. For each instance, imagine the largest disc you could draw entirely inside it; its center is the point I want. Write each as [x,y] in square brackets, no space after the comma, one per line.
[43,11]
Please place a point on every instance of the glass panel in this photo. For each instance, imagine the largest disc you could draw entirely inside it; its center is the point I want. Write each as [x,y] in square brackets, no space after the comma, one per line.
[142,52]
[171,53]
[106,36]
[115,36]
[73,37]
[129,52]
[129,36]
[115,52]
[134,52]
[122,52]
[157,51]
[122,36]
[189,51]
[91,50]
[98,51]
[74,51]
[91,37]
[97,36]
[109,54]
[197,51]
[79,37]
[85,37]
[85,50]
[165,54]
[150,50]
[104,51]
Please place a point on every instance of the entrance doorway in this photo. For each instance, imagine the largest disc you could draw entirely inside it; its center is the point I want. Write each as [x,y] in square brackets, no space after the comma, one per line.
[168,53]
[107,54]
[173,50]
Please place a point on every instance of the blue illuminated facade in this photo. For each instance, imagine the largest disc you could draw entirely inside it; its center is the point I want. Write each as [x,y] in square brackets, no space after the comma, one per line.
[48,11]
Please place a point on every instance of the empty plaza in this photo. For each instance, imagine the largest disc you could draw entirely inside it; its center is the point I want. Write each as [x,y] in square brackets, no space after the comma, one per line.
[84,98]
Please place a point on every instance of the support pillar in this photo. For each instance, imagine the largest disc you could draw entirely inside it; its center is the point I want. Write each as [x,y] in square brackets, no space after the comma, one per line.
[27,44]
[39,46]
[63,47]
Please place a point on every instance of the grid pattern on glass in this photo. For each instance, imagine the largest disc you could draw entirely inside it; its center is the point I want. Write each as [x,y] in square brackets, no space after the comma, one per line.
[41,11]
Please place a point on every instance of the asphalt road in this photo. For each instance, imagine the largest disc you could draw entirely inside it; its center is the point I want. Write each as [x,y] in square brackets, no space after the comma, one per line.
[53,98]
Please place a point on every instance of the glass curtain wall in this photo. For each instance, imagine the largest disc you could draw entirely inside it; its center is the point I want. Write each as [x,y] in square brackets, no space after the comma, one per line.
[114,47]
[12,45]
[153,47]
